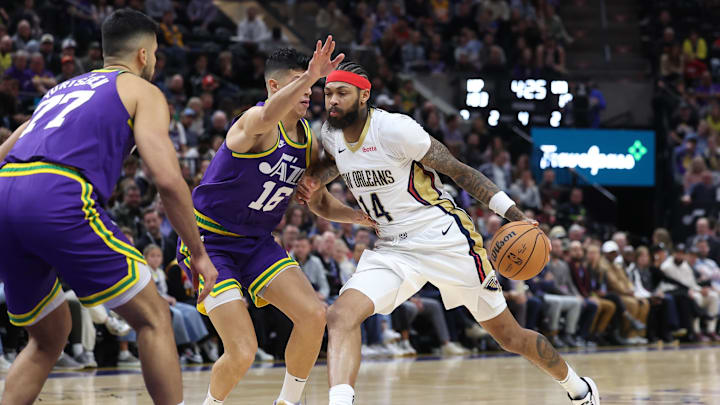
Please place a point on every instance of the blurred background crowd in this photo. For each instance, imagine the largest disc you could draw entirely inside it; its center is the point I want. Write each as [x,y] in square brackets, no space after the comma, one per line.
[602,286]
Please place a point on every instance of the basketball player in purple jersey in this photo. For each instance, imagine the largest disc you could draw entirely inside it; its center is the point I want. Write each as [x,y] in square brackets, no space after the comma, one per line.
[241,200]
[59,169]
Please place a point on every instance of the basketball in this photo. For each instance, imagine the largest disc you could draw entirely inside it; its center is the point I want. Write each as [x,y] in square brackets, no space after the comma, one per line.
[519,250]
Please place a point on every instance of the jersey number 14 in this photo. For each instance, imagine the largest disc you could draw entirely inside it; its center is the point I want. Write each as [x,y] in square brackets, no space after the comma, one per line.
[378,209]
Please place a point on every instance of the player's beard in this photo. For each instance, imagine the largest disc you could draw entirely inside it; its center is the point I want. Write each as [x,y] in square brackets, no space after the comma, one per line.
[345,120]
[147,73]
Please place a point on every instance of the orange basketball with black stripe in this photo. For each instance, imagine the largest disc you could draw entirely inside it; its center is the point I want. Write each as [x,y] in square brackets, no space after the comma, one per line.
[519,250]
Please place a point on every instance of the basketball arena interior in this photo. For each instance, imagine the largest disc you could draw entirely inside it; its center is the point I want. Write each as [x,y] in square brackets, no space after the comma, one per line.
[599,118]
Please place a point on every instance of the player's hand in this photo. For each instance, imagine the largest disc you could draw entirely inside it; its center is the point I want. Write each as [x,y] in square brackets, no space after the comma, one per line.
[202,266]
[361,218]
[306,187]
[321,65]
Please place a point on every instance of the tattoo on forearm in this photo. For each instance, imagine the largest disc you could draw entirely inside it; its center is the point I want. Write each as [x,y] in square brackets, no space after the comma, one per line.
[325,171]
[439,158]
[547,354]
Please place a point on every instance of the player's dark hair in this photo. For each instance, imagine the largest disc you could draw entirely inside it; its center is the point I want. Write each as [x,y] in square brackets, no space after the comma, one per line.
[121,30]
[353,67]
[285,59]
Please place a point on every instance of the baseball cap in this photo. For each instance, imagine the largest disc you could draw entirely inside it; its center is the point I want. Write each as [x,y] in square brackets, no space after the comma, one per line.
[47,38]
[188,111]
[69,43]
[610,246]
[208,80]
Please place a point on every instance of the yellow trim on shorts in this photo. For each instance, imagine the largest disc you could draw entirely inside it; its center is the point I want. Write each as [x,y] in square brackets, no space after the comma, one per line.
[218,289]
[209,224]
[423,185]
[116,290]
[31,316]
[266,276]
[91,214]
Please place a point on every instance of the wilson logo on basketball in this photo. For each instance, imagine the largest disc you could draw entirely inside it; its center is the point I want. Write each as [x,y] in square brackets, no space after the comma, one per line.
[500,244]
[369,149]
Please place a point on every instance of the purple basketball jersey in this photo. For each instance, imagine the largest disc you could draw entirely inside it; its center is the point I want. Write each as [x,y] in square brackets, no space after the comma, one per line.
[81,123]
[247,193]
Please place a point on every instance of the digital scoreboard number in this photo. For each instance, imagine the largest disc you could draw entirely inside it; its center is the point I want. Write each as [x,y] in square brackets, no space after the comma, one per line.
[530,101]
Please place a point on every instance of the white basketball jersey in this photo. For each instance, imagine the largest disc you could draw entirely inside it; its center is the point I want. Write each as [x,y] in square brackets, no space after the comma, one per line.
[384,174]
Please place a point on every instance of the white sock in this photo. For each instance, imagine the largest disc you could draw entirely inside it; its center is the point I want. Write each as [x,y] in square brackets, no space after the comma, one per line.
[711,325]
[292,388]
[182,403]
[77,349]
[576,387]
[342,394]
[209,400]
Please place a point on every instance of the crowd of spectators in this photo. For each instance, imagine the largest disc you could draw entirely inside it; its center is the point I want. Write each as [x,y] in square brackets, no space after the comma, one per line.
[599,288]
[683,48]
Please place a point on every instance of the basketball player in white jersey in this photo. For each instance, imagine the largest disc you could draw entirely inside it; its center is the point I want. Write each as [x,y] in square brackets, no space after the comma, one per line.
[391,166]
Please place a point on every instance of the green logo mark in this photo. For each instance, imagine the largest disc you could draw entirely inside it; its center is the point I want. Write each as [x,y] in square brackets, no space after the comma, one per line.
[637,150]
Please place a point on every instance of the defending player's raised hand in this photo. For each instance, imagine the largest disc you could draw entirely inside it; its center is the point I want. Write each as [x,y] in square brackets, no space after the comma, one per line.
[363,219]
[321,65]
[306,187]
[202,266]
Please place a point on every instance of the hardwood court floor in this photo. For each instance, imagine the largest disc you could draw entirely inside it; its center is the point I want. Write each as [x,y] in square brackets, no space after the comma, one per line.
[673,375]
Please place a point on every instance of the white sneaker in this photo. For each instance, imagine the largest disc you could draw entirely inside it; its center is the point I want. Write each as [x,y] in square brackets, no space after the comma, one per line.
[476,332]
[381,350]
[407,348]
[4,364]
[262,356]
[116,325]
[65,362]
[367,351]
[211,350]
[453,349]
[592,397]
[125,358]
[192,356]
[394,349]
[389,335]
[87,359]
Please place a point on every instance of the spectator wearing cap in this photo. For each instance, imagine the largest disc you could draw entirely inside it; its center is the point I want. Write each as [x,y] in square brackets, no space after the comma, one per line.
[68,69]
[20,71]
[47,49]
[69,47]
[5,53]
[94,59]
[23,35]
[42,79]
[618,283]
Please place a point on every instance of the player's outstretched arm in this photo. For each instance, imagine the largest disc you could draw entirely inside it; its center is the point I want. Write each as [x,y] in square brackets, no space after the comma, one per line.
[327,206]
[259,120]
[151,123]
[439,158]
[7,146]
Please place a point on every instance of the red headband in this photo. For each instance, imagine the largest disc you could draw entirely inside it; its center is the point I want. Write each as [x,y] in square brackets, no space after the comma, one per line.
[350,78]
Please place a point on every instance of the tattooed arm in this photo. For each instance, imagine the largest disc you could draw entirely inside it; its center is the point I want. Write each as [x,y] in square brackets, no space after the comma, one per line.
[439,158]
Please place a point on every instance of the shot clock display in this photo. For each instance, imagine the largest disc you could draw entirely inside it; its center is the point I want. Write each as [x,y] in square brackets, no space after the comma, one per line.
[535,101]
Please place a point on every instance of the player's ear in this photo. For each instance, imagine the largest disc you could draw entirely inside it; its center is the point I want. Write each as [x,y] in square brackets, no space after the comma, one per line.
[143,56]
[273,85]
[364,96]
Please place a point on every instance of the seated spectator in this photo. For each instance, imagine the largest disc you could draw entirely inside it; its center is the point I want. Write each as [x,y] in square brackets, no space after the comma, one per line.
[20,71]
[187,322]
[526,67]
[23,36]
[523,304]
[68,69]
[252,29]
[47,49]
[42,79]
[497,170]
[584,282]
[694,175]
[707,91]
[413,53]
[704,192]
[672,62]
[703,231]
[311,266]
[433,310]
[127,213]
[525,192]
[573,211]
[695,46]
[94,59]
[69,47]
[551,58]
[679,273]
[5,53]
[153,236]
[618,282]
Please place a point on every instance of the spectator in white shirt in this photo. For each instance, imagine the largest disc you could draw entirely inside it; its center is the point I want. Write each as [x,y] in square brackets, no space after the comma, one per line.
[252,28]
